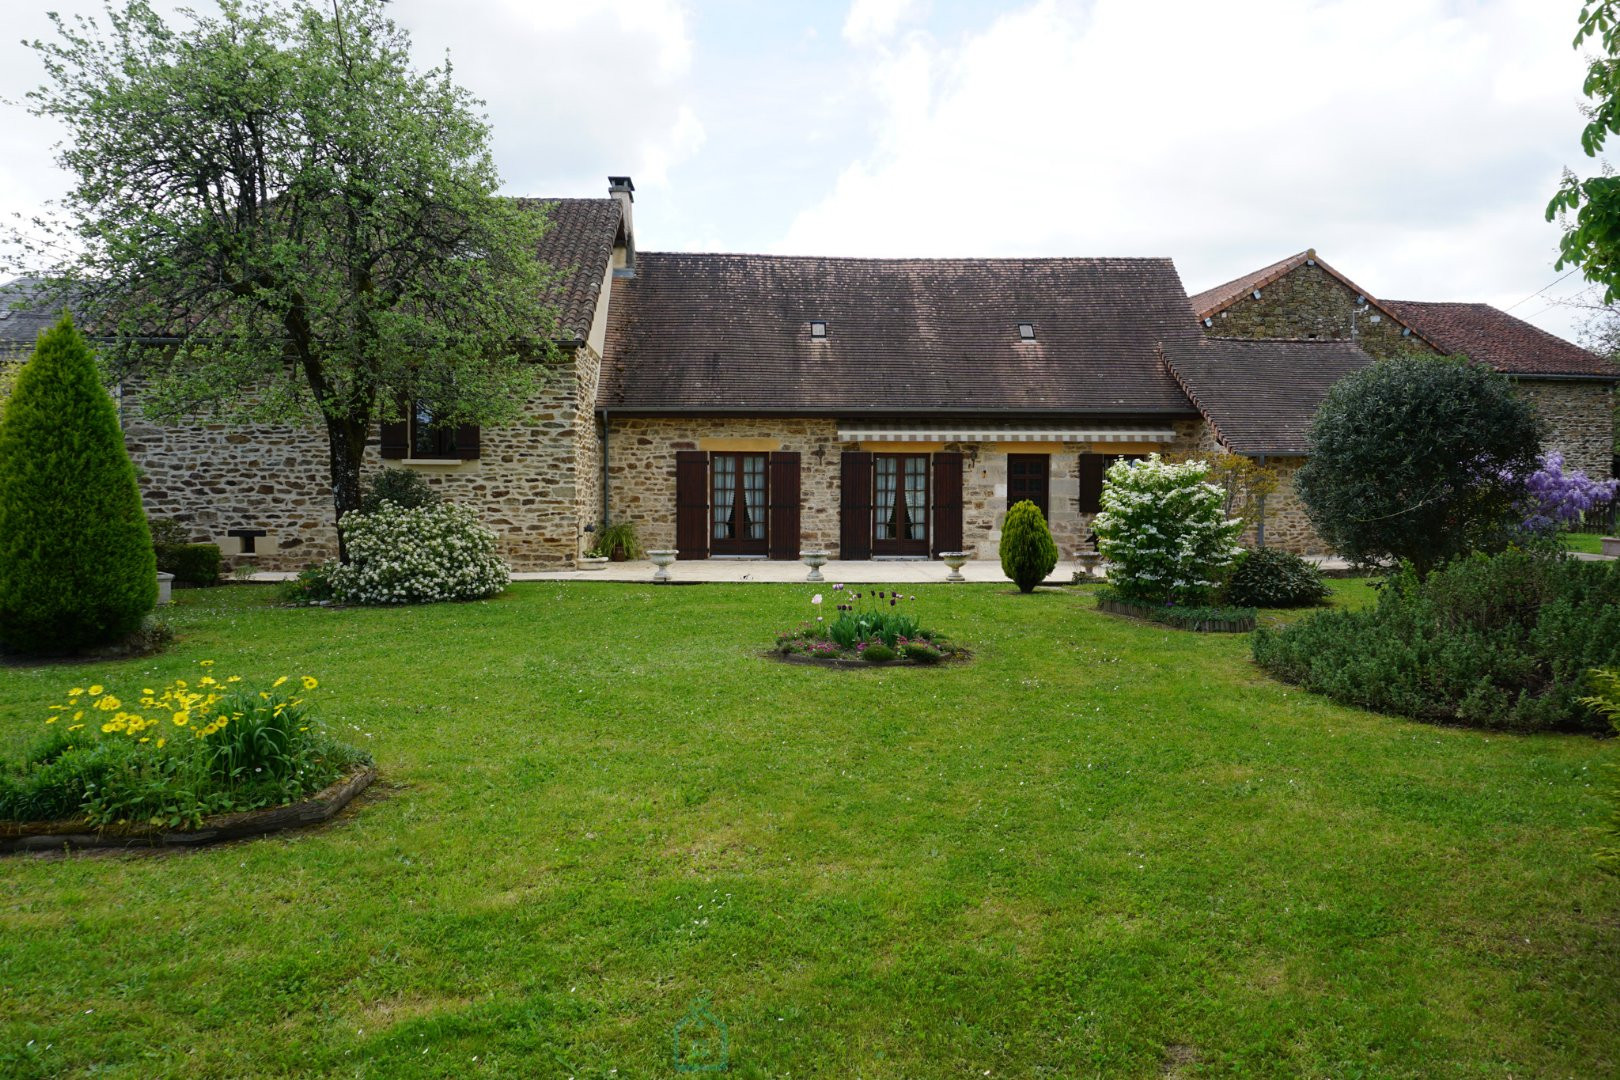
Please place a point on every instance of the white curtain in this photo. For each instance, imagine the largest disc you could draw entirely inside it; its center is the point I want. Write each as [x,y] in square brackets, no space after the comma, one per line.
[887,474]
[725,495]
[754,496]
[917,497]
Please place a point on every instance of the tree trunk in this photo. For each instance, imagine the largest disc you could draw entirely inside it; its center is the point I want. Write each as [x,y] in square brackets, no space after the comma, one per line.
[346,441]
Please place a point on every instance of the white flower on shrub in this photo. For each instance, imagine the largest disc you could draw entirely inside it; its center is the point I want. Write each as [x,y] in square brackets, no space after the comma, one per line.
[418,555]
[1164,531]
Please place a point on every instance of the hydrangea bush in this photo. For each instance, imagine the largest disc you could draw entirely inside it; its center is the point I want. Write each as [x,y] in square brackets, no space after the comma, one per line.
[1164,531]
[416,555]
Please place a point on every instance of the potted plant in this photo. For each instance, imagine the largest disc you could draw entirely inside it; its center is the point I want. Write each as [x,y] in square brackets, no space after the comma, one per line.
[591,560]
[619,542]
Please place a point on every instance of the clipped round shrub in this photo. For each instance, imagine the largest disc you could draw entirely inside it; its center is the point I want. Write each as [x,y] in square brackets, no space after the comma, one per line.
[1267,577]
[191,564]
[401,487]
[76,563]
[1164,531]
[1028,552]
[922,652]
[877,653]
[417,555]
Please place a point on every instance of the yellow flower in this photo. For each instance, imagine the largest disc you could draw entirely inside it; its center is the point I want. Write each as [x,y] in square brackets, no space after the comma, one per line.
[205,663]
[76,691]
[161,742]
[181,719]
[109,726]
[79,715]
[233,678]
[109,703]
[310,683]
[95,691]
[148,739]
[278,682]
[50,719]
[75,727]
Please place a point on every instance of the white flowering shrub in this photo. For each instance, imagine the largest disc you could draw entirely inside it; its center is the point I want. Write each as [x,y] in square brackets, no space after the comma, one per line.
[417,555]
[1164,531]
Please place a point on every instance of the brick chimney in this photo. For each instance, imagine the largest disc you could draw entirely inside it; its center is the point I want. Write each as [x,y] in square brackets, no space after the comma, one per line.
[624,250]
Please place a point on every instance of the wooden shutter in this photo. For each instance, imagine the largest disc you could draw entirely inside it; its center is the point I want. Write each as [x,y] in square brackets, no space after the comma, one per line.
[855,506]
[1092,467]
[467,442]
[947,502]
[396,439]
[692,504]
[784,495]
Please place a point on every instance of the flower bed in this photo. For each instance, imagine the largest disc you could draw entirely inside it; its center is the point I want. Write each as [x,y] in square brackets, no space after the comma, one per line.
[172,760]
[1204,620]
[870,627]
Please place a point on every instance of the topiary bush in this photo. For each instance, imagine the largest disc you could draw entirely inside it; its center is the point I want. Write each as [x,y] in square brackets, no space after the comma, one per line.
[1267,577]
[1501,641]
[1028,552]
[77,568]
[401,487]
[191,564]
[1164,532]
[417,555]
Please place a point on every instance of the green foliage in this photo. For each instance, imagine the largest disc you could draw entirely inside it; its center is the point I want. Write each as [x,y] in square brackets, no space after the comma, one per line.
[1272,578]
[875,652]
[168,531]
[1204,618]
[278,189]
[922,652]
[401,487]
[1028,552]
[1164,531]
[76,562]
[313,585]
[1591,241]
[191,564]
[618,541]
[1500,641]
[874,615]
[1605,701]
[1420,459]
[417,556]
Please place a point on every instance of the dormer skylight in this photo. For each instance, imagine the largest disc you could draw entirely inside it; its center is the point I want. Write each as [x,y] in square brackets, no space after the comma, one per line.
[1026,331]
[818,328]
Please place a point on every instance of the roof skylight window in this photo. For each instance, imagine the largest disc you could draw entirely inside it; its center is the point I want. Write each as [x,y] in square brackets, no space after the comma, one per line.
[1026,331]
[818,328]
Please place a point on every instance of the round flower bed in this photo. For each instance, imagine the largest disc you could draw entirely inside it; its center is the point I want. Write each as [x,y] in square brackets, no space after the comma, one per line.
[869,628]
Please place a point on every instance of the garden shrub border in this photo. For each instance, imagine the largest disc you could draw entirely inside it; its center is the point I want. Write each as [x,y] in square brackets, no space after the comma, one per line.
[957,655]
[1200,620]
[319,808]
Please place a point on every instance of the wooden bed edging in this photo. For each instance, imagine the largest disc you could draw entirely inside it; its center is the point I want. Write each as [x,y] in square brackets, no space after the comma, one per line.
[54,835]
[1203,626]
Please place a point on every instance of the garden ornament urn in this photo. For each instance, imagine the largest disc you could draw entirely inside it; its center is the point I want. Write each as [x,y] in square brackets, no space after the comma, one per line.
[955,560]
[815,560]
[662,560]
[165,584]
[591,562]
[1088,558]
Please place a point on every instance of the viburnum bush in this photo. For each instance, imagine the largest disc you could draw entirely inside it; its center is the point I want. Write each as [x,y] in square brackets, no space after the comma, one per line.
[417,555]
[1164,531]
[1554,497]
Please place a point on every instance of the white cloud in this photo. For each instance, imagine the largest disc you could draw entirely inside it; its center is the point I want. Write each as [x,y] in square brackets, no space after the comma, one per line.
[1413,146]
[871,22]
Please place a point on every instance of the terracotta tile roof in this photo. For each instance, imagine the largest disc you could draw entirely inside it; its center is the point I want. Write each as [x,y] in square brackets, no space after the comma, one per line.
[580,245]
[1260,396]
[1494,337]
[698,332]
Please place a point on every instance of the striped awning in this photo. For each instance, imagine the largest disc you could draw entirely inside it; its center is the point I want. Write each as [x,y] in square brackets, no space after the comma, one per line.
[1091,433]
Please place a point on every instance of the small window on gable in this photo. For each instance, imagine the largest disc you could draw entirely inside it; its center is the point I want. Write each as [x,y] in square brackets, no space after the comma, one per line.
[818,328]
[1026,331]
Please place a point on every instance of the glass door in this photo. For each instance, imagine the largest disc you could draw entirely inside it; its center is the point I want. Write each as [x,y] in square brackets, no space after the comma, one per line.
[900,504]
[737,504]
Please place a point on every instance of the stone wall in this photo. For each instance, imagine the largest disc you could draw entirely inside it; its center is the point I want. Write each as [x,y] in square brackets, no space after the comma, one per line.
[1581,415]
[527,484]
[1309,303]
[641,475]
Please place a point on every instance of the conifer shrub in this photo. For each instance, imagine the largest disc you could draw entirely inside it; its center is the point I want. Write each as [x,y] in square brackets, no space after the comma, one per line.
[1502,641]
[77,568]
[1267,577]
[1028,552]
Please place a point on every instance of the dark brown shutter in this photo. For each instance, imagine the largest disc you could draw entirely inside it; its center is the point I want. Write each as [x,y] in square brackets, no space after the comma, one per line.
[467,442]
[947,502]
[1092,467]
[692,504]
[855,506]
[396,439]
[784,494]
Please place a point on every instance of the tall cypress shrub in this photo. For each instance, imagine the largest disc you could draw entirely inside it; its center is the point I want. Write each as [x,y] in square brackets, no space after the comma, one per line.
[1028,552]
[76,562]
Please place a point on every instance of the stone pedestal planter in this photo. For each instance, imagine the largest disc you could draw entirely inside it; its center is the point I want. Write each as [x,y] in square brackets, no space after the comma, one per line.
[662,559]
[955,560]
[1610,545]
[1089,559]
[815,560]
[590,562]
[165,587]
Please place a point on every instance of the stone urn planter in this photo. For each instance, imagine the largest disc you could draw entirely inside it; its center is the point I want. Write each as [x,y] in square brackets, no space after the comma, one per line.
[662,559]
[1089,559]
[815,560]
[1610,545]
[590,562]
[165,588]
[955,560]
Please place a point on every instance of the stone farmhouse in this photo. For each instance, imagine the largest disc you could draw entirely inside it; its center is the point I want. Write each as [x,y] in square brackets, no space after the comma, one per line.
[751,406]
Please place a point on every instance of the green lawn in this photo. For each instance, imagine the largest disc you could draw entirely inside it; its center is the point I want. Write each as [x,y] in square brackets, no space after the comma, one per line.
[1590,543]
[1103,848]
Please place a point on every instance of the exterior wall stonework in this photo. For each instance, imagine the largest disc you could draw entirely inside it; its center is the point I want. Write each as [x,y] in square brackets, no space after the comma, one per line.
[528,483]
[641,476]
[1308,302]
[1581,415]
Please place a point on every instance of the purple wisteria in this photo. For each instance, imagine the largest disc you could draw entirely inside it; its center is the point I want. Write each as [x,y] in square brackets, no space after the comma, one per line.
[1554,497]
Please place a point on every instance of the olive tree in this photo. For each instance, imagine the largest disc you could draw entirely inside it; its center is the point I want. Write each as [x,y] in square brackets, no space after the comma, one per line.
[274,217]
[1418,458]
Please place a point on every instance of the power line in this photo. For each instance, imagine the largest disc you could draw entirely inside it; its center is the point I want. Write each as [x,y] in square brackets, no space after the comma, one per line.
[1538,292]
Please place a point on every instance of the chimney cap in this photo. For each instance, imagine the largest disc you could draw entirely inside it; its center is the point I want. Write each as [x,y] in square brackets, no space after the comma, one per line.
[620,183]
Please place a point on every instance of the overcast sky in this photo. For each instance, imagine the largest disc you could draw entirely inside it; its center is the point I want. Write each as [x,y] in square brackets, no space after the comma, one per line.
[1413,143]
